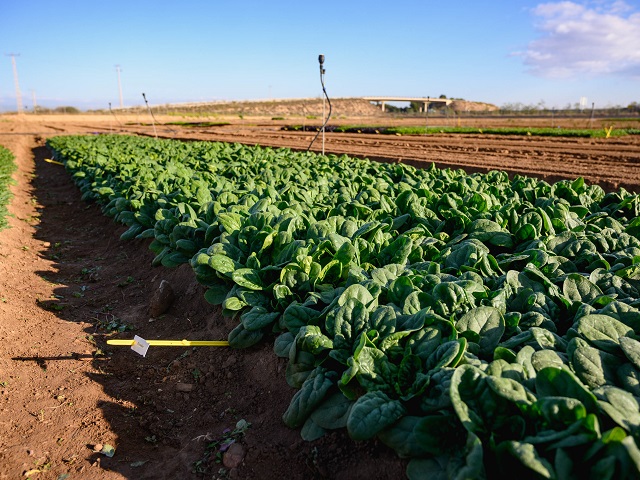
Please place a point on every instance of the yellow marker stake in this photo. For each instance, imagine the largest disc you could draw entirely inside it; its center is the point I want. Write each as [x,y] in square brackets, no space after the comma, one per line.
[608,131]
[173,343]
[53,161]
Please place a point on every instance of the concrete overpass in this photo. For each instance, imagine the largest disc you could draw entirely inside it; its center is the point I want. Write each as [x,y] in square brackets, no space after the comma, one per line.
[424,100]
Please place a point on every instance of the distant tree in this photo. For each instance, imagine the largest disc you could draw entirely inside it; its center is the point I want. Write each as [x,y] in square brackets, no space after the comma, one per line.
[442,96]
[415,106]
[508,107]
[66,109]
[393,109]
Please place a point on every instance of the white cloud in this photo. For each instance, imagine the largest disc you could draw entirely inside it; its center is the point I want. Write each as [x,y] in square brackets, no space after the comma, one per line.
[593,38]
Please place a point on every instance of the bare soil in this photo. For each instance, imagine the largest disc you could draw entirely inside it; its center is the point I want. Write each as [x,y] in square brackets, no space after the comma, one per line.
[67,281]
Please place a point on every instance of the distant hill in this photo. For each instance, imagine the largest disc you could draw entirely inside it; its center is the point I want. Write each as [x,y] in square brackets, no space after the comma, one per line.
[297,107]
[300,107]
[467,106]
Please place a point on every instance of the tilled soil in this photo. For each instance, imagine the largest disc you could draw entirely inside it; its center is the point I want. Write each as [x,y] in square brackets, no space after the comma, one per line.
[67,283]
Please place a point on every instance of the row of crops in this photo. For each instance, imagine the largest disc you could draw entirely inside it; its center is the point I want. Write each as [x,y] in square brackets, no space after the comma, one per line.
[477,325]
[7,166]
[509,131]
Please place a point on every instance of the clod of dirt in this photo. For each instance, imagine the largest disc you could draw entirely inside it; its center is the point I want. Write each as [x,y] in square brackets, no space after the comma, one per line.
[162,299]
[230,361]
[184,387]
[233,457]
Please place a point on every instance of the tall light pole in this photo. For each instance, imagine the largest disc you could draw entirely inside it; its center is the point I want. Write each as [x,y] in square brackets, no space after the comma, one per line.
[15,80]
[119,86]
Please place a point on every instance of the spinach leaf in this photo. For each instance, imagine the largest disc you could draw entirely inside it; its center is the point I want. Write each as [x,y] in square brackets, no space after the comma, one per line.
[487,322]
[371,413]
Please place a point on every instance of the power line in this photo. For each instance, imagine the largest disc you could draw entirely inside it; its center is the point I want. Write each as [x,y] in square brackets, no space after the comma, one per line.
[15,80]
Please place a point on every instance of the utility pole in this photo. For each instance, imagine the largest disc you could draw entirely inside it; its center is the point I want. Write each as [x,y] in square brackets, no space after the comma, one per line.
[15,80]
[119,86]
[35,105]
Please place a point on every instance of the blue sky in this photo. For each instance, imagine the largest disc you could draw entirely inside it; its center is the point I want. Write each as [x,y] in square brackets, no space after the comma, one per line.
[501,52]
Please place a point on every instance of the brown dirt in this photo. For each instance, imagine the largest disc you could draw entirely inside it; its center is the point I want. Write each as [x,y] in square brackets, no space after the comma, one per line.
[66,279]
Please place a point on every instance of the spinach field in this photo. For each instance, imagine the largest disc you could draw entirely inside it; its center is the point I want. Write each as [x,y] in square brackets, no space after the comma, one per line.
[478,325]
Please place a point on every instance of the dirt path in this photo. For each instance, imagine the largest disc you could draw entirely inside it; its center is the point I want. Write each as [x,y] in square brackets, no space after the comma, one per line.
[66,283]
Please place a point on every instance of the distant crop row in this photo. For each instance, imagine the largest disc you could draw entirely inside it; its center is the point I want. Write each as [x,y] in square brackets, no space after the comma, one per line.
[7,166]
[480,326]
[424,130]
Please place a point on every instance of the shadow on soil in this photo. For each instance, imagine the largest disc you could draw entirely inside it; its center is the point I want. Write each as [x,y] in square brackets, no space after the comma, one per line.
[171,410]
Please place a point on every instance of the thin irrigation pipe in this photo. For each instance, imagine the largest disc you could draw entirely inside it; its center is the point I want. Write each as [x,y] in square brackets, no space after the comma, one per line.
[323,113]
[324,90]
[153,119]
[114,115]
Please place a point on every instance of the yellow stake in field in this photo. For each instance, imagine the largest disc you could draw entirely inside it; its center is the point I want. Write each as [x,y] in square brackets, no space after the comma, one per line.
[53,161]
[608,131]
[141,346]
[173,343]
